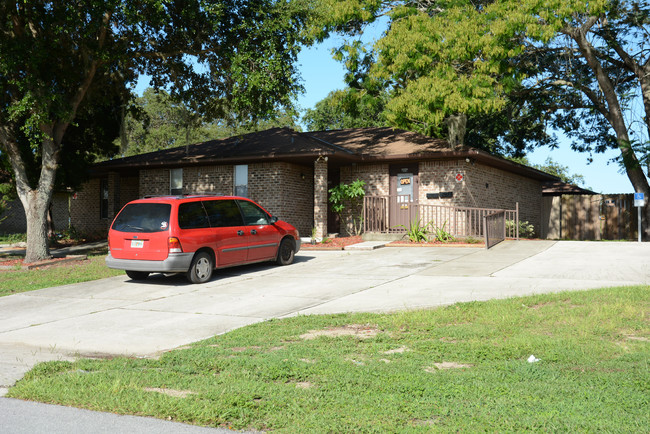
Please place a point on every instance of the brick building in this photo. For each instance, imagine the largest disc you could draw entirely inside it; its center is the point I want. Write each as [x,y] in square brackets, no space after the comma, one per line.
[289,173]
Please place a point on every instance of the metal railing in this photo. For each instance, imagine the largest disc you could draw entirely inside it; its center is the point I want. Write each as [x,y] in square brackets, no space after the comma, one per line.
[395,214]
[494,228]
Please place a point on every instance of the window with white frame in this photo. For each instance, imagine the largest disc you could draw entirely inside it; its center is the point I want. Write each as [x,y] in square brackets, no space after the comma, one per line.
[241,180]
[176,181]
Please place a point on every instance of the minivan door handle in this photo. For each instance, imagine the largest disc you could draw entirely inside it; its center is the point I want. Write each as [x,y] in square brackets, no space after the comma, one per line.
[240,233]
[253,232]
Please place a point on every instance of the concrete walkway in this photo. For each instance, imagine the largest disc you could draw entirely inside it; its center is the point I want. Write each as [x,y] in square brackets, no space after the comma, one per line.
[118,316]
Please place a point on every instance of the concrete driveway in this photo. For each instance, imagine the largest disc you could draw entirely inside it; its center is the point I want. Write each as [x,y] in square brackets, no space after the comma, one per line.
[116,316]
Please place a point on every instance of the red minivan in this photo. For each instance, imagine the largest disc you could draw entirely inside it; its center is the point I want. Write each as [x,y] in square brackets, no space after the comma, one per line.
[196,234]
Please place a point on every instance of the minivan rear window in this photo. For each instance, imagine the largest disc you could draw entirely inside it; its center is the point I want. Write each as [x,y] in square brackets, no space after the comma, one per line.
[143,217]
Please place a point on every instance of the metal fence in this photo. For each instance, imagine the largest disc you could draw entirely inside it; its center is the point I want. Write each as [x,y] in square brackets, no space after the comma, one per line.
[396,214]
[494,228]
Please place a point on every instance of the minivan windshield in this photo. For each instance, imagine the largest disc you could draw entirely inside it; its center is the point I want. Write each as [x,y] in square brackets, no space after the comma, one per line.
[143,217]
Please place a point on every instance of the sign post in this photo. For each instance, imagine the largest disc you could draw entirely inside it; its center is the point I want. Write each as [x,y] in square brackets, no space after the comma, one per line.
[639,202]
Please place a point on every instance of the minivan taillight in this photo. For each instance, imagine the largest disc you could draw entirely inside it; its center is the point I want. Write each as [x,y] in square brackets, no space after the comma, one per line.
[174,245]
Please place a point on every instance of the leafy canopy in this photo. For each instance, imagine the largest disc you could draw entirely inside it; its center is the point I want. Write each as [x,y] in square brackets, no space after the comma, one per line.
[60,61]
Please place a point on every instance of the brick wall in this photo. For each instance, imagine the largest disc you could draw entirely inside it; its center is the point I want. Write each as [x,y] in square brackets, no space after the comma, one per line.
[482,187]
[208,179]
[503,190]
[320,203]
[154,182]
[377,179]
[286,191]
[84,210]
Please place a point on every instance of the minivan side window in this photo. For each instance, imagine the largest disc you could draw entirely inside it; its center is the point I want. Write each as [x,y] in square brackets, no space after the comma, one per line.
[191,215]
[143,217]
[253,215]
[223,213]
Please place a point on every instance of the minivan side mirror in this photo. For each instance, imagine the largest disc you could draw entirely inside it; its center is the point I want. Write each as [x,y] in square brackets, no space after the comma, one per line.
[273,220]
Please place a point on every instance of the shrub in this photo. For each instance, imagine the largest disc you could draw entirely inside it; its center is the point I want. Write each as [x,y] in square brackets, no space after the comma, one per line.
[526,230]
[442,234]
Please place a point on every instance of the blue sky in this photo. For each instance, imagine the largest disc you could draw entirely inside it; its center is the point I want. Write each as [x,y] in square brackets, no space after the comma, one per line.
[322,74]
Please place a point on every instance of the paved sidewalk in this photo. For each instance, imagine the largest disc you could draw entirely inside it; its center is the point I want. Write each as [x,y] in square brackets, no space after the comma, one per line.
[23,417]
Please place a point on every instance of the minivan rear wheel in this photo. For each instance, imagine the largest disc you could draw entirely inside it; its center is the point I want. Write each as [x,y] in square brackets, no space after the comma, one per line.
[137,275]
[201,269]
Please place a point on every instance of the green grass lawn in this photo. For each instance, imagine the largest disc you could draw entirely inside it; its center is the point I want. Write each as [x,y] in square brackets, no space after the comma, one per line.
[15,281]
[460,368]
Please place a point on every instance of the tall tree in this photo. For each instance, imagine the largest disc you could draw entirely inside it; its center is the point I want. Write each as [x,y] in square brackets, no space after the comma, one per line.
[156,121]
[347,108]
[581,67]
[218,56]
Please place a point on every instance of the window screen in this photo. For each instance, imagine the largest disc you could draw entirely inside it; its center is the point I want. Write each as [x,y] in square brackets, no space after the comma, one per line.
[176,181]
[223,213]
[241,180]
[103,199]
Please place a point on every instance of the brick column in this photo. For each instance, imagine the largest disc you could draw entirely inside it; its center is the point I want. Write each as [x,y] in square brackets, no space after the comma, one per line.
[320,196]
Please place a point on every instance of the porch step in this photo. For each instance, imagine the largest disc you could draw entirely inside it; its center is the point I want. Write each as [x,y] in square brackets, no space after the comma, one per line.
[367,245]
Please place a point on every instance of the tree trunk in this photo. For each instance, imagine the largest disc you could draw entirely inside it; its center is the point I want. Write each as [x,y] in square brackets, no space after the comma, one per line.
[614,115]
[36,205]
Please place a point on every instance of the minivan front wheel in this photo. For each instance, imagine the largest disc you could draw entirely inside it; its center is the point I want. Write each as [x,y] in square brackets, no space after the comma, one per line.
[201,269]
[286,252]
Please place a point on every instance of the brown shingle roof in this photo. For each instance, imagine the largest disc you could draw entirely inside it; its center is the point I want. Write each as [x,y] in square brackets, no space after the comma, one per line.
[558,188]
[382,141]
[342,146]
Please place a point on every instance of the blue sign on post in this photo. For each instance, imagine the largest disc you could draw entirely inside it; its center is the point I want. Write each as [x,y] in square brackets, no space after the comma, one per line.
[639,199]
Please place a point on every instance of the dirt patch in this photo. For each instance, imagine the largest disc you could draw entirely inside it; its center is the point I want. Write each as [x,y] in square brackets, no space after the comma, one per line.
[170,392]
[399,350]
[19,264]
[637,338]
[356,330]
[241,349]
[446,365]
[304,385]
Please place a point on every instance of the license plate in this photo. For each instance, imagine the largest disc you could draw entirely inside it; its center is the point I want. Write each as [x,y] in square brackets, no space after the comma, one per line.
[137,244]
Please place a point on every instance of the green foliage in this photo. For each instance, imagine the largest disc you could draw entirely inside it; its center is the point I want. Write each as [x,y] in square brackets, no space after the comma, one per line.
[417,232]
[5,191]
[472,240]
[593,374]
[517,69]
[348,108]
[441,234]
[14,282]
[13,238]
[348,199]
[526,230]
[157,121]
[226,58]
[554,168]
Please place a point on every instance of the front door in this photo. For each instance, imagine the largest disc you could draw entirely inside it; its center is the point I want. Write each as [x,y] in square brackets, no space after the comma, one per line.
[403,197]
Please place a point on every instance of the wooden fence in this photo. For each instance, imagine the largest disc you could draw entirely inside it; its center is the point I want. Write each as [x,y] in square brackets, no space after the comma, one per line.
[390,214]
[589,217]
